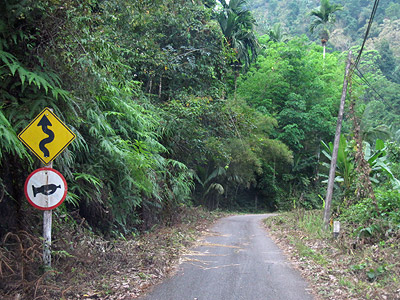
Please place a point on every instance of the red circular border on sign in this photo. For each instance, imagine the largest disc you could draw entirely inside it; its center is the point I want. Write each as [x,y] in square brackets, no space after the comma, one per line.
[26,188]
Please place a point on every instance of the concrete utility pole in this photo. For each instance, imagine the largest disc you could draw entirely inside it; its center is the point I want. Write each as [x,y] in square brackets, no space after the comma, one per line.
[331,180]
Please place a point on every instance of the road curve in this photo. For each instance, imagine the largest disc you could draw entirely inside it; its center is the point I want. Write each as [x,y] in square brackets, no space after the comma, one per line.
[236,261]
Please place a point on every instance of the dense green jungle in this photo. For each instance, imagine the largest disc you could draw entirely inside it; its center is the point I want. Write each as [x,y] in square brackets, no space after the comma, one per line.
[187,103]
[224,105]
[228,106]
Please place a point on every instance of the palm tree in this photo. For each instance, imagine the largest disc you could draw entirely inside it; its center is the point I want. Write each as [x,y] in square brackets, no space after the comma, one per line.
[325,18]
[237,25]
[275,33]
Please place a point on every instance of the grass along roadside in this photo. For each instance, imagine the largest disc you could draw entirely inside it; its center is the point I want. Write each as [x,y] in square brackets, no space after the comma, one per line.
[342,268]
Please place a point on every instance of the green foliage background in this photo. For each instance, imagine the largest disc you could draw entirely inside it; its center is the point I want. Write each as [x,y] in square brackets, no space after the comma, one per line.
[142,85]
[170,107]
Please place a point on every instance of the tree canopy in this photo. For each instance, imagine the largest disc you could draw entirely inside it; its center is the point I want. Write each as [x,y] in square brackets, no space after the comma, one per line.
[147,87]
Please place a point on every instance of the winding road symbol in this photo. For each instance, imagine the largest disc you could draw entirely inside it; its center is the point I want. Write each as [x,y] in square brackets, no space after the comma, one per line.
[46,136]
[44,123]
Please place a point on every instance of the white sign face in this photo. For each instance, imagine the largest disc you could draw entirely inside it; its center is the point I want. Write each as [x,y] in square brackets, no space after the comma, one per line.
[45,188]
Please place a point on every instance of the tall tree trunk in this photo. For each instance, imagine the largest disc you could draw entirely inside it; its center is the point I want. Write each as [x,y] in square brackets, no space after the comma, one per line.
[150,85]
[323,42]
[236,77]
[160,87]
[328,199]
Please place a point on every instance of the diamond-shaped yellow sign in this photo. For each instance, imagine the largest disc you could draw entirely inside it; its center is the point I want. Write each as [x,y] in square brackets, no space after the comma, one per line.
[46,136]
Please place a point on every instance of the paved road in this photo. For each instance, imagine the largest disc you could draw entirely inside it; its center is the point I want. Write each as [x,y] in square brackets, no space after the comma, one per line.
[237,261]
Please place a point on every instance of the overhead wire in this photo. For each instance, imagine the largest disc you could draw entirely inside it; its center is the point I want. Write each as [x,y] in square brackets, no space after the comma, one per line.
[365,80]
[371,19]
[357,60]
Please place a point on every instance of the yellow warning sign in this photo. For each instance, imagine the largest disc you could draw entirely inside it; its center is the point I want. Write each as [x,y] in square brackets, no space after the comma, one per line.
[46,136]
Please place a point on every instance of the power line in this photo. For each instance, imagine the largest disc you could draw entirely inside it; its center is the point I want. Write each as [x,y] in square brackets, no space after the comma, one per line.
[357,61]
[365,80]
[374,9]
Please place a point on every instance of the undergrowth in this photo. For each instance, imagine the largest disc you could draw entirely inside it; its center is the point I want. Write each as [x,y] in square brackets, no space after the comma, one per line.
[349,267]
[87,265]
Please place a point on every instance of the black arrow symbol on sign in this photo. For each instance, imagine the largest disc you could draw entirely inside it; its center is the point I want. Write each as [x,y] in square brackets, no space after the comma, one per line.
[44,122]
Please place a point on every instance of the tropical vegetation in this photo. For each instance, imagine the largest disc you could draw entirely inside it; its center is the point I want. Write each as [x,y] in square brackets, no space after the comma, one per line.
[324,17]
[215,104]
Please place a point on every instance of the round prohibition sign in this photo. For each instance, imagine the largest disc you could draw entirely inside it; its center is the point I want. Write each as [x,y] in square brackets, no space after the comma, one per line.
[45,188]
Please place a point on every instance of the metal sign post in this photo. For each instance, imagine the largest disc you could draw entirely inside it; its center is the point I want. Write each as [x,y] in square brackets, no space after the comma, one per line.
[45,188]
[47,225]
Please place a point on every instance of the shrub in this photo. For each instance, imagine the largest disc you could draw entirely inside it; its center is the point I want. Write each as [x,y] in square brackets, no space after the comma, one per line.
[375,219]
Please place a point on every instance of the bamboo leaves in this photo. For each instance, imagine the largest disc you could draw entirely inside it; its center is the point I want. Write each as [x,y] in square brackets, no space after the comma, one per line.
[10,142]
[48,81]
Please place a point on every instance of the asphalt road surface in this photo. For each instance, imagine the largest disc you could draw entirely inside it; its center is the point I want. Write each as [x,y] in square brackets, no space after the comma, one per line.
[236,261]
